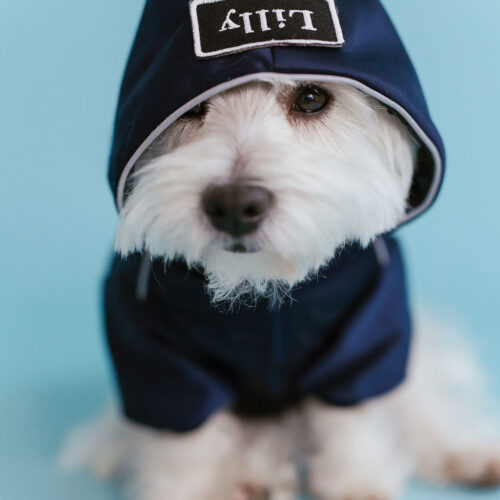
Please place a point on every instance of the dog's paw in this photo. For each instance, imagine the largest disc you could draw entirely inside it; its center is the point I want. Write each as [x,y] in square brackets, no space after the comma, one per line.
[247,491]
[330,489]
[480,469]
[353,493]
[356,496]
[369,497]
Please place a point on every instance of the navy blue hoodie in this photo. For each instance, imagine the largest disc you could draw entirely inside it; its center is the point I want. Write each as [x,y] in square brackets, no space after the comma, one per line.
[345,337]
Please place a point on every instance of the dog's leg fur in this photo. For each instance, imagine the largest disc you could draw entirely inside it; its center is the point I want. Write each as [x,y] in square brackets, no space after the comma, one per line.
[269,456]
[440,412]
[445,449]
[202,464]
[354,453]
[226,459]
[199,464]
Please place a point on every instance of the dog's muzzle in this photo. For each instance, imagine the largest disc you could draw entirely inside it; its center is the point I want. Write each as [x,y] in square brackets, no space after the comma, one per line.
[237,209]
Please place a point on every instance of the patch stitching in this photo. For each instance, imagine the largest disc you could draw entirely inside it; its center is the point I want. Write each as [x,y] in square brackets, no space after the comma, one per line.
[200,53]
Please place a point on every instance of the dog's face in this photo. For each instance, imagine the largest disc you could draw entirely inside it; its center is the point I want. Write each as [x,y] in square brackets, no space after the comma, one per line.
[262,184]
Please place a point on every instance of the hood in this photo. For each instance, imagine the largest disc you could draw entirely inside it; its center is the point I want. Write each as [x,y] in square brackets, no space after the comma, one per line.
[188,51]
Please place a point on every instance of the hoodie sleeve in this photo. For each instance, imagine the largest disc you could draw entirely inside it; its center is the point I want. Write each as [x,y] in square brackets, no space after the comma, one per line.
[159,386]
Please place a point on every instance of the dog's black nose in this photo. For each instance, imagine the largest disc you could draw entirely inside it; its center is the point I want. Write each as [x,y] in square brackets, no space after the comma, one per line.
[236,209]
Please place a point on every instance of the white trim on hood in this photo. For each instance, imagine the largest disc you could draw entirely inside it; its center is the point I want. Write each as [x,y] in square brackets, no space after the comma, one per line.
[438,162]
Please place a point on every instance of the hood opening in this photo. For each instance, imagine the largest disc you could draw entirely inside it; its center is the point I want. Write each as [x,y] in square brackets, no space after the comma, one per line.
[364,50]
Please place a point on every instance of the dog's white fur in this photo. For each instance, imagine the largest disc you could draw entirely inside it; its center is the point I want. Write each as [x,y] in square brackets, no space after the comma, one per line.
[338,178]
[344,176]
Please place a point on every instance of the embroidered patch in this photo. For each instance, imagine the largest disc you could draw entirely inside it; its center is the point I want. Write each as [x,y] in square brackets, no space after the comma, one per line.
[226,26]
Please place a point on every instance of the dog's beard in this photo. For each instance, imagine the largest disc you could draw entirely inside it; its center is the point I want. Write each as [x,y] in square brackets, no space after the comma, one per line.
[346,181]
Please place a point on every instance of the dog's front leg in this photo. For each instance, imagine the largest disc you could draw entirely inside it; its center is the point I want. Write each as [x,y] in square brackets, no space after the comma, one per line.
[269,459]
[199,465]
[226,459]
[354,453]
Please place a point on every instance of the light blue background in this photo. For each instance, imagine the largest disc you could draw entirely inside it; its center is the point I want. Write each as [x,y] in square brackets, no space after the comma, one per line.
[60,66]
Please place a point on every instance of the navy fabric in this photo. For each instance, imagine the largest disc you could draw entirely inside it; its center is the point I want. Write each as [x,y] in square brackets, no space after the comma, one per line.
[163,74]
[344,338]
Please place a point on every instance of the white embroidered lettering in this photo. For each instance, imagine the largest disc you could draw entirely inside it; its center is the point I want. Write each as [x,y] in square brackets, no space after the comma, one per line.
[307,15]
[229,24]
[280,17]
[246,22]
[263,20]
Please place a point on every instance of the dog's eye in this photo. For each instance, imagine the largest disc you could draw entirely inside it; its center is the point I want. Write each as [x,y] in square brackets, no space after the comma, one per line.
[311,99]
[199,111]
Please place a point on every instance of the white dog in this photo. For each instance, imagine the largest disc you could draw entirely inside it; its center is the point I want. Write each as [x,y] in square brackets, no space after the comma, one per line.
[312,166]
